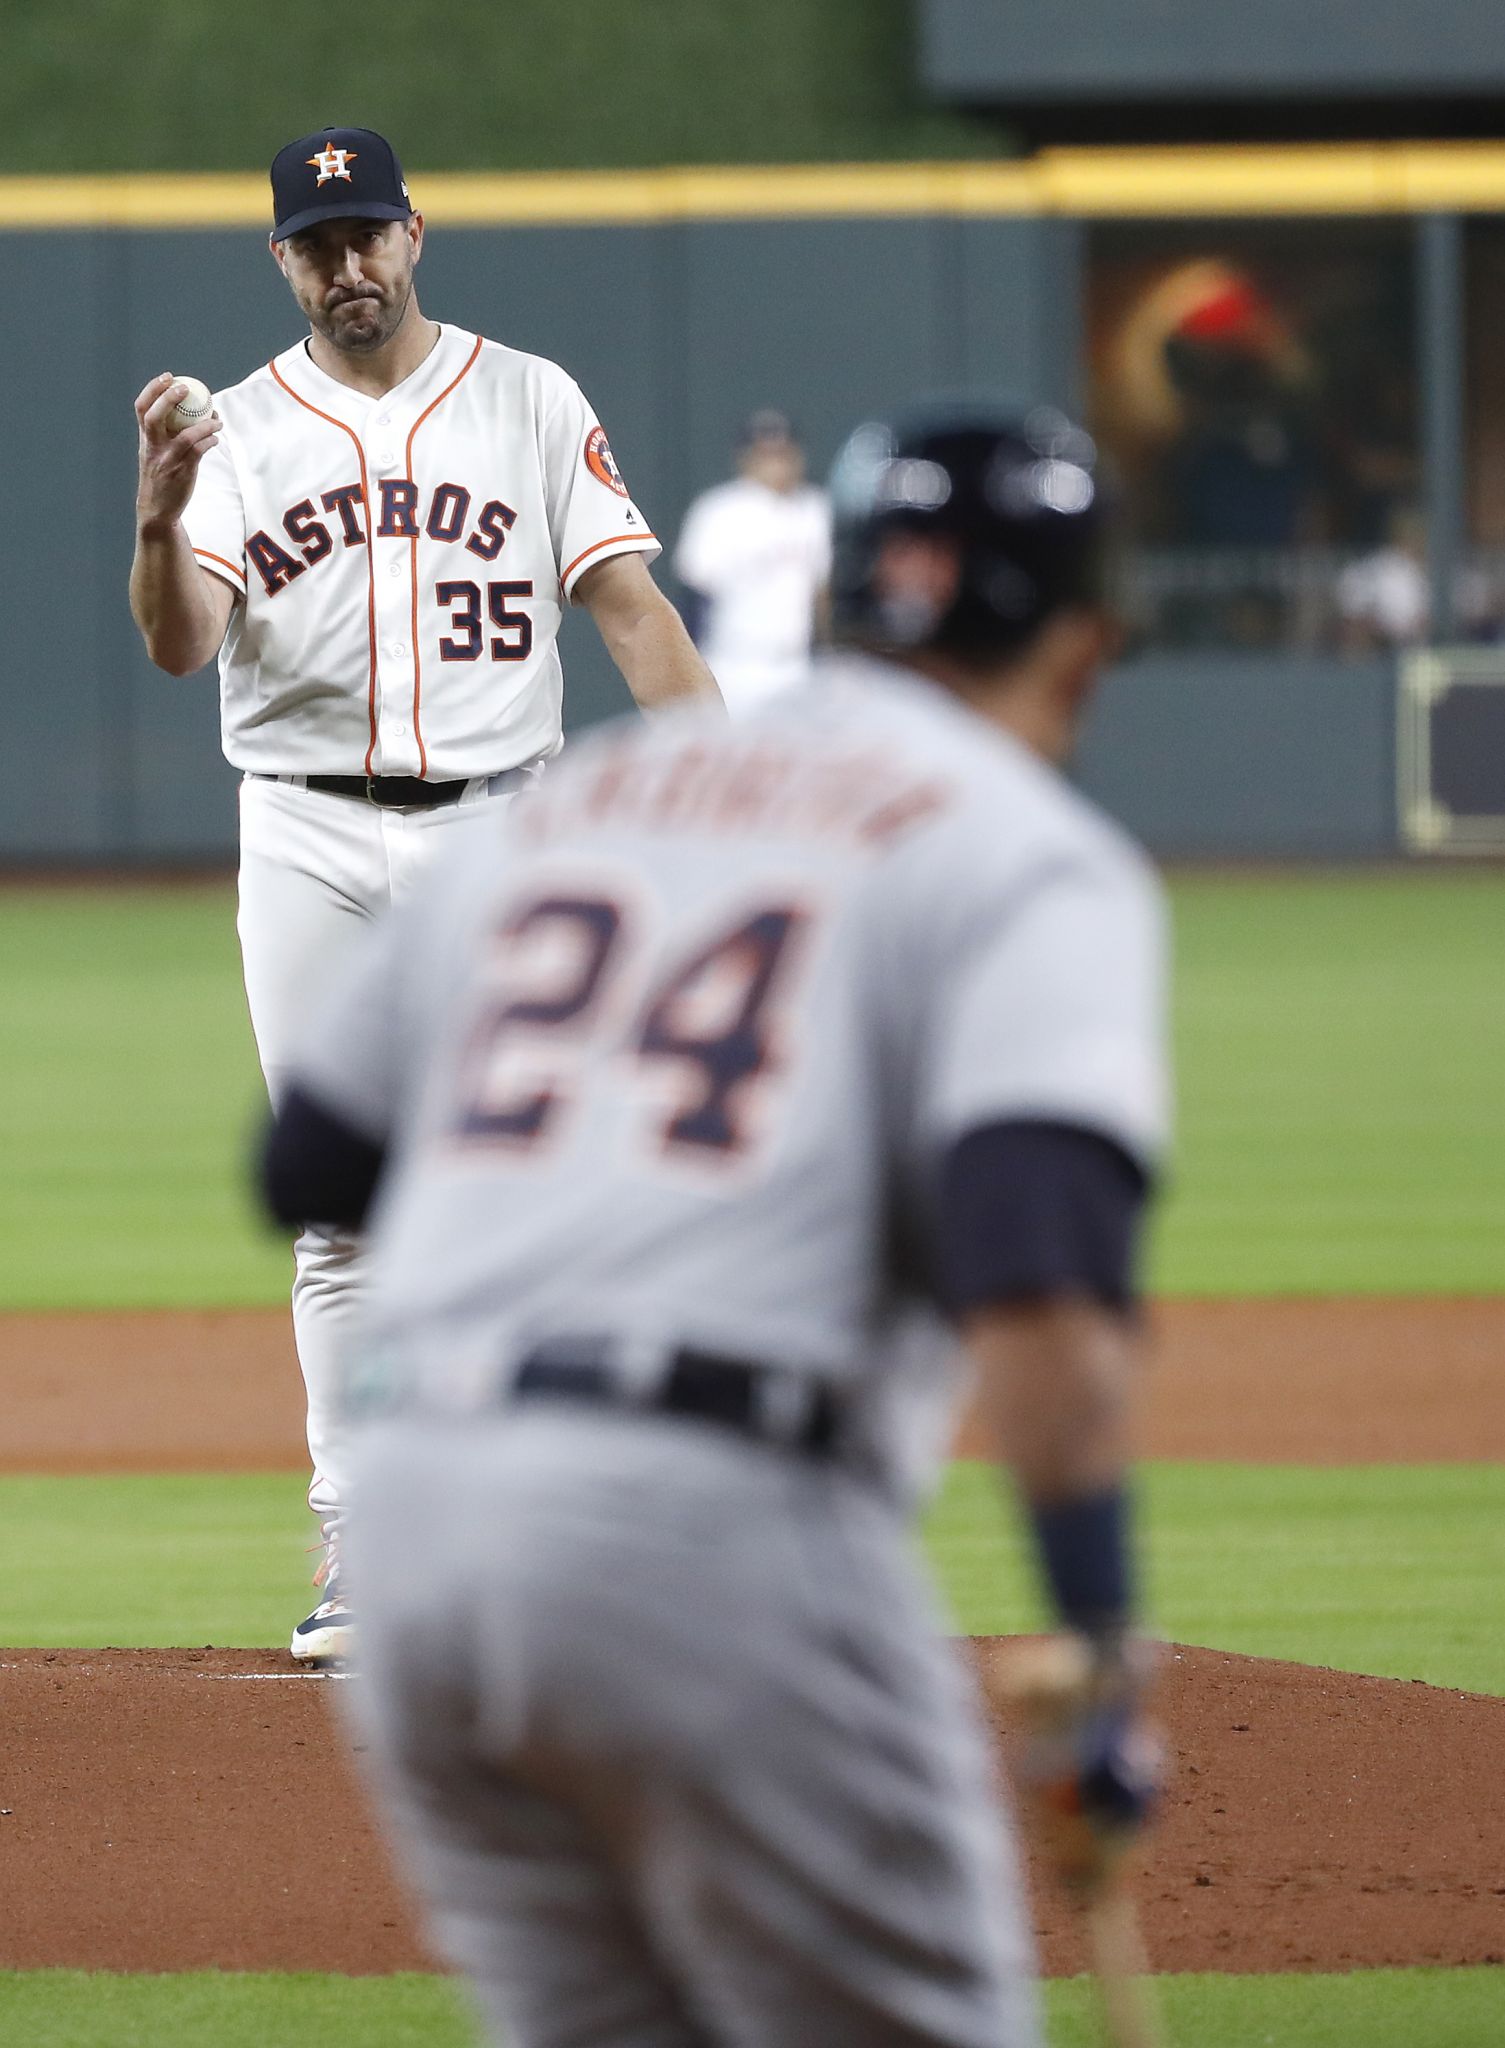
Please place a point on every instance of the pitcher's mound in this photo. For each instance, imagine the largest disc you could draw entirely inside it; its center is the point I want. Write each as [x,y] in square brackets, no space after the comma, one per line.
[1314,1820]
[181,1809]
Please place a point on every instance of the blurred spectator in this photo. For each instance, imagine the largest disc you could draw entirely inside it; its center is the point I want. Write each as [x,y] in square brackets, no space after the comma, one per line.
[1256,384]
[1384,598]
[1374,464]
[1206,393]
[1241,472]
[754,554]
[1480,599]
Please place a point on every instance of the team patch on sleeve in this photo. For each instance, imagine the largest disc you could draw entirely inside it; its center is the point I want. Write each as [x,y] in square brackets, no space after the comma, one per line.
[601,463]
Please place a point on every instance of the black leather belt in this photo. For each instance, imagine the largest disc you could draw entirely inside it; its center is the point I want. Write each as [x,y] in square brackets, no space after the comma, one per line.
[402,792]
[389,792]
[764,1402]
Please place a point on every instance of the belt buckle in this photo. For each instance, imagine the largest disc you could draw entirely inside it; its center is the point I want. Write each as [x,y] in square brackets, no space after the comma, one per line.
[373,798]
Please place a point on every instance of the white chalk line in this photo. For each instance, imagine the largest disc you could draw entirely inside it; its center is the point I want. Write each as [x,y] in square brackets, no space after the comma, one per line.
[269,1677]
[218,1677]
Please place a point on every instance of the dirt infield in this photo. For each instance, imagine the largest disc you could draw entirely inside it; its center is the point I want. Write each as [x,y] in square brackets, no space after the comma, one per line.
[166,1810]
[1315,1382]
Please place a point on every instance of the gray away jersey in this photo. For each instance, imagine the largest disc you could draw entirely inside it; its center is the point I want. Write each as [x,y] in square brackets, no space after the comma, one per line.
[671,1052]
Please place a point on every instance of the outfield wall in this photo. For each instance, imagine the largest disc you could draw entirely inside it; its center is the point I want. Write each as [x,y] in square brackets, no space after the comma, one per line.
[676,327]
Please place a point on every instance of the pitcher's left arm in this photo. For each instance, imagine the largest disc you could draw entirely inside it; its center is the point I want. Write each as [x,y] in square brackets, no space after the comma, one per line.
[644,634]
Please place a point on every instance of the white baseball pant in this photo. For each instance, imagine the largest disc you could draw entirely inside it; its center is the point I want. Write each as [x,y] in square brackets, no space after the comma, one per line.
[314,869]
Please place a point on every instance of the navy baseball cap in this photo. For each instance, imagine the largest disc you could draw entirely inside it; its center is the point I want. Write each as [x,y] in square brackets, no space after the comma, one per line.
[337,174]
[766,424]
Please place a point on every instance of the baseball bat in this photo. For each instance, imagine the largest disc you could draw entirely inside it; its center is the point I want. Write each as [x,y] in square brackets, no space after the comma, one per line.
[1121,1967]
[1041,1684]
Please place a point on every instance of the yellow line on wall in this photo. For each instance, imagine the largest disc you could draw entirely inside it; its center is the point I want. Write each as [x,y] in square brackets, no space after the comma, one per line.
[131,201]
[1335,178]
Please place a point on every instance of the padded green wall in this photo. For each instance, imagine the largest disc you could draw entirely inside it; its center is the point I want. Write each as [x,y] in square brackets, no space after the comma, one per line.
[100,85]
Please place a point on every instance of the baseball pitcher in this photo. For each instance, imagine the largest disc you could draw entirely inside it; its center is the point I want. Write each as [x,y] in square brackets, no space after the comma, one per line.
[378,533]
[694,1098]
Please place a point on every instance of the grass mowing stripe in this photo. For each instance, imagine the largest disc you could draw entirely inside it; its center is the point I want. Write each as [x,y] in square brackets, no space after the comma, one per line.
[1378,2008]
[133,1094]
[154,1561]
[1341,1074]
[1340,1053]
[74,2009]
[231,2009]
[1397,1570]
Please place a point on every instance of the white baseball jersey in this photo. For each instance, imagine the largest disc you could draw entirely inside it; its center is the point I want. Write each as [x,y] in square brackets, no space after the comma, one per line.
[403,561]
[789,962]
[761,558]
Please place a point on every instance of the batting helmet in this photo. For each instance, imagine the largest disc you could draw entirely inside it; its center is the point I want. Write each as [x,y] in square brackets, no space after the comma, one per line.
[1018,493]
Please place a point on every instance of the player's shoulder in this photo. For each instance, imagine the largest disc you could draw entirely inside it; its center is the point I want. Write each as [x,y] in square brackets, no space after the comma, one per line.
[1007,812]
[255,388]
[537,377]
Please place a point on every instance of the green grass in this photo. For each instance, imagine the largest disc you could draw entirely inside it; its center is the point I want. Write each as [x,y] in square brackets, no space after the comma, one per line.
[74,2009]
[1340,1046]
[1368,2009]
[136,1562]
[1340,1049]
[88,2009]
[1396,1570]
[131,1094]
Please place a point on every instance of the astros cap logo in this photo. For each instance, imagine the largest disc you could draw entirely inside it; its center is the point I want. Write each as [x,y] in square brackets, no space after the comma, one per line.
[331,163]
[357,176]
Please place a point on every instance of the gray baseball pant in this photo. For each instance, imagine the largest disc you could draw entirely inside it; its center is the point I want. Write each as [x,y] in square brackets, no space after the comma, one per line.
[672,1744]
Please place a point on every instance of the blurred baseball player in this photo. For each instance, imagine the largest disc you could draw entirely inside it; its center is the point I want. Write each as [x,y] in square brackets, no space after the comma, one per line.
[685,1094]
[378,533]
[755,554]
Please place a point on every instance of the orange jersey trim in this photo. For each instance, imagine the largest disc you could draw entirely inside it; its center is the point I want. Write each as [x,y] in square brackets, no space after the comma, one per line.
[615,541]
[370,550]
[208,555]
[423,761]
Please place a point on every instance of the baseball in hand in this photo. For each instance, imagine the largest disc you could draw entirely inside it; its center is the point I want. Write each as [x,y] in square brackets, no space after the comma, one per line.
[196,404]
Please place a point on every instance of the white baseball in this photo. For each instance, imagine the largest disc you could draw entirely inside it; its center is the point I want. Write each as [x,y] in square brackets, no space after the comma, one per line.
[195,404]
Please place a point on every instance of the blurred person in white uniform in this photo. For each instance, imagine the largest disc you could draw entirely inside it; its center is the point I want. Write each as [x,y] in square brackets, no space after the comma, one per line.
[755,555]
[1385,598]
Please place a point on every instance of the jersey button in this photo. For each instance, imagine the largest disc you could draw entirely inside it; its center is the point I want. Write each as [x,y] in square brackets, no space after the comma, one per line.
[398,730]
[394,568]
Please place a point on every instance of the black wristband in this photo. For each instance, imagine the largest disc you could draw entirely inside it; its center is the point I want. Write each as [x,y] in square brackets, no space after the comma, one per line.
[1084,1551]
